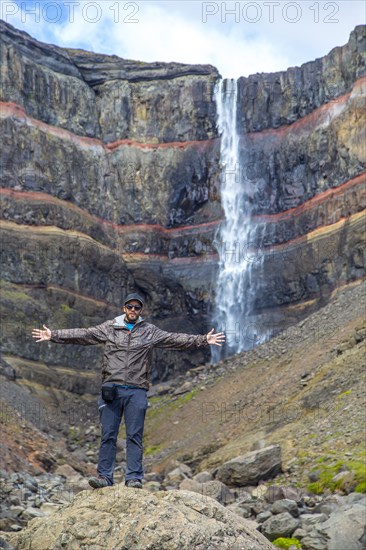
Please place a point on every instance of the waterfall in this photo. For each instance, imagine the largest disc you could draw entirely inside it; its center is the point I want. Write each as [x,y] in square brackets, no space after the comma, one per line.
[235,239]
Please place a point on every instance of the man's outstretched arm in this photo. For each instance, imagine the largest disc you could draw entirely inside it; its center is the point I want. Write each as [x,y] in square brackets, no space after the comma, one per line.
[178,340]
[82,336]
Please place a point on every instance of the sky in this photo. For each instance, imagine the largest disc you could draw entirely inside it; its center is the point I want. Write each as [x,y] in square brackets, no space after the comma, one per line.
[239,38]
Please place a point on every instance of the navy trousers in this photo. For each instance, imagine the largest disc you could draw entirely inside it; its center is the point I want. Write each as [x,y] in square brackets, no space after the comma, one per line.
[132,404]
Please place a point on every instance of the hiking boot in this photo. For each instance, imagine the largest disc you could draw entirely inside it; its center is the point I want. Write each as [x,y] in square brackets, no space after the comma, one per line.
[99,482]
[135,483]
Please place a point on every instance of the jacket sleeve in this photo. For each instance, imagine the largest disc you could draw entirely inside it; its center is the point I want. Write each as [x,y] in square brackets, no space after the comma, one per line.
[82,336]
[178,340]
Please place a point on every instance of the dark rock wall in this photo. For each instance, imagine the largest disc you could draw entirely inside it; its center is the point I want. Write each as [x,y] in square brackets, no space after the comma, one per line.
[271,100]
[101,157]
[110,177]
[303,159]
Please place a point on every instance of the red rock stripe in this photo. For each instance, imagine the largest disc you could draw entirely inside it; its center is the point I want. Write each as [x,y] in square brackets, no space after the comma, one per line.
[37,196]
[9,109]
[312,120]
[35,286]
[141,257]
[168,145]
[12,110]
[303,239]
[314,201]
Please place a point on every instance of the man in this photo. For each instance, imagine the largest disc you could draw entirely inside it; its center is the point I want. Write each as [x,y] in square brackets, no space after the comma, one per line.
[128,344]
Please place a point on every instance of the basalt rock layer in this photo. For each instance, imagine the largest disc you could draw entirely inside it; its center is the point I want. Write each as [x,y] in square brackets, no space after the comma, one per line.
[110,181]
[91,147]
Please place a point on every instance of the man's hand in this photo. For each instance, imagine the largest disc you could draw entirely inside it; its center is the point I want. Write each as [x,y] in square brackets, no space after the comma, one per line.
[41,334]
[215,339]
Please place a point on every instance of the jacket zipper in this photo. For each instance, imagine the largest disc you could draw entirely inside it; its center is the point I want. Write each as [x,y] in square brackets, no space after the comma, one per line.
[128,351]
[128,348]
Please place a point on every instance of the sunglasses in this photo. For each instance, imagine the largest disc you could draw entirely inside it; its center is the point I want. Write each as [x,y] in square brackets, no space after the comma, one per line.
[130,308]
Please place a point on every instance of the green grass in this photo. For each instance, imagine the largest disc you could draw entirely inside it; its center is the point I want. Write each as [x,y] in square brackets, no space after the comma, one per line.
[151,450]
[159,400]
[10,291]
[347,392]
[286,543]
[186,397]
[65,308]
[361,487]
[327,472]
[165,405]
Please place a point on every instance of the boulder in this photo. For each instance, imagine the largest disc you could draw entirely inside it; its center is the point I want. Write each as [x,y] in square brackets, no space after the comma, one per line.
[68,472]
[285,505]
[329,504]
[242,512]
[75,481]
[251,468]
[153,476]
[259,492]
[345,528]
[184,388]
[118,517]
[346,481]
[191,485]
[201,477]
[214,489]
[30,512]
[263,516]
[353,498]
[314,541]
[3,542]
[308,521]
[281,525]
[175,476]
[159,389]
[49,508]
[276,492]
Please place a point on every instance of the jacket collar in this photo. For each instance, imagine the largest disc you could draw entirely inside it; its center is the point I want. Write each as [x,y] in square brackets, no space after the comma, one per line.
[119,322]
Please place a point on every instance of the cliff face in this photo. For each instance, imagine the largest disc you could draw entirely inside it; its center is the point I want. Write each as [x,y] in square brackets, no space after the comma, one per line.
[303,157]
[102,158]
[111,180]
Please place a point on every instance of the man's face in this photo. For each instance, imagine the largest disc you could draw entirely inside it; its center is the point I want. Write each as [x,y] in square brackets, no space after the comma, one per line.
[132,310]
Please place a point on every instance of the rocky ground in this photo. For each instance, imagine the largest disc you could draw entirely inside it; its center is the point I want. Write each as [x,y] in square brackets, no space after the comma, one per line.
[304,390]
[275,435]
[285,515]
[119,517]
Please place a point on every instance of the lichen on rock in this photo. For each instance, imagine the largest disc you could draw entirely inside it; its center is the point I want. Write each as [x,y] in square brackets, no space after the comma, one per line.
[122,518]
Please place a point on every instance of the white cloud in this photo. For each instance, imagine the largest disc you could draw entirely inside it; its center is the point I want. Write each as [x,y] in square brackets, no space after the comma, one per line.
[30,21]
[172,38]
[175,31]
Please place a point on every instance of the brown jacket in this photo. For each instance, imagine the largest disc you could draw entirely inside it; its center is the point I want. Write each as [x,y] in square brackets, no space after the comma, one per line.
[127,353]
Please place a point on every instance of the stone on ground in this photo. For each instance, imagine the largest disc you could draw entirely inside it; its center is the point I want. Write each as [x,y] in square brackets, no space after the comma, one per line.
[251,468]
[122,518]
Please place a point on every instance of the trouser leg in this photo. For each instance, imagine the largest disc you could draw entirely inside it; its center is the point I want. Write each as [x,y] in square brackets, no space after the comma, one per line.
[110,417]
[134,412]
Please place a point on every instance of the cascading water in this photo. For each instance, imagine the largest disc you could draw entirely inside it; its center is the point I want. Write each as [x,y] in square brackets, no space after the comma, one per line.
[235,239]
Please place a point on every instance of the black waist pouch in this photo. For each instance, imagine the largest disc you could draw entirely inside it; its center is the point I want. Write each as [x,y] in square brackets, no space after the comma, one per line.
[109,392]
